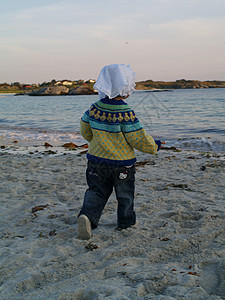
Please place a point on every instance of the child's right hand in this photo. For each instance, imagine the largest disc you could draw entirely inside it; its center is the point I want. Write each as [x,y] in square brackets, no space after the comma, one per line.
[159,143]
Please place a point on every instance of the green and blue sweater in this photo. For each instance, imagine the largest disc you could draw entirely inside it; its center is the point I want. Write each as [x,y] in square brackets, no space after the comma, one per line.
[113,131]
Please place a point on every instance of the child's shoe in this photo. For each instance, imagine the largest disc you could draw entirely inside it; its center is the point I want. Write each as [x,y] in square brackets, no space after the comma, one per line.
[84,227]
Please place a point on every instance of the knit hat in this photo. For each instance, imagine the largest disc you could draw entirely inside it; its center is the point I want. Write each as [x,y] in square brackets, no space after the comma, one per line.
[115,80]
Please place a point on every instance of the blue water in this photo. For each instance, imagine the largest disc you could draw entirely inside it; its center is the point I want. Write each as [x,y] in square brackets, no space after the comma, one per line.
[191,119]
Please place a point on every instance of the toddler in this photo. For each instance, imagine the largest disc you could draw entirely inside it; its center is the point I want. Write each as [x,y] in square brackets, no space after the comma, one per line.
[113,131]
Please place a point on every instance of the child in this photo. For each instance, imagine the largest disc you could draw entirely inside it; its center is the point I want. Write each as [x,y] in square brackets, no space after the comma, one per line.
[113,131]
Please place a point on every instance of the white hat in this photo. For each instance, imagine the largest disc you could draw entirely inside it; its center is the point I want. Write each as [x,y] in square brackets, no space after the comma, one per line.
[115,80]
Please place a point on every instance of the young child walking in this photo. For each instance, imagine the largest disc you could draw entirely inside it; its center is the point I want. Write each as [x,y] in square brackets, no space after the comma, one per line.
[113,132]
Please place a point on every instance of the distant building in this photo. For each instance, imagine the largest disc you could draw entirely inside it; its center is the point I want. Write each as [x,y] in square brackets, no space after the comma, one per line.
[90,81]
[64,82]
[67,82]
[26,86]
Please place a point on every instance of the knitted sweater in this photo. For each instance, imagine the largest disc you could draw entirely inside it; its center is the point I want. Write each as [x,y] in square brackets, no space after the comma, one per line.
[113,131]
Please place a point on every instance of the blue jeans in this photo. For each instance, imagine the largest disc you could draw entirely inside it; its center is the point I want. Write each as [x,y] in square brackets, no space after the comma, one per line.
[101,178]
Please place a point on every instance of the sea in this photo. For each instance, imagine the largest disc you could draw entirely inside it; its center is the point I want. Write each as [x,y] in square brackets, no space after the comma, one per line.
[192,119]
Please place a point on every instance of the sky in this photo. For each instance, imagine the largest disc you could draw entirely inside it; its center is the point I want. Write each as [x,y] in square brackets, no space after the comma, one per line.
[69,39]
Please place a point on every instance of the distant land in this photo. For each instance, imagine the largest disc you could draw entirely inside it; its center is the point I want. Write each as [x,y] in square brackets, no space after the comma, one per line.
[68,87]
[179,84]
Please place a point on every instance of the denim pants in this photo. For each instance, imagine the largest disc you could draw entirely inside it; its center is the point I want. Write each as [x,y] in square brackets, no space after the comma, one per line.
[101,178]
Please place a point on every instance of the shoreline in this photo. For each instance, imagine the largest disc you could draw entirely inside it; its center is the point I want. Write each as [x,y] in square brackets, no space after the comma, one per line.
[55,142]
[176,252]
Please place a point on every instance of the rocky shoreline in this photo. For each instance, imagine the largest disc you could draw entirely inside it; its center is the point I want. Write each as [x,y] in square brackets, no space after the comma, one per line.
[179,84]
[60,90]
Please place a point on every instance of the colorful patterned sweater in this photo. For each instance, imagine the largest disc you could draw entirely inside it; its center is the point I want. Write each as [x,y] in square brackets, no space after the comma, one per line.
[113,131]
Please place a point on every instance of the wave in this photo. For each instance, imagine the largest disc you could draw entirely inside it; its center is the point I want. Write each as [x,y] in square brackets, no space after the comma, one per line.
[26,134]
[197,143]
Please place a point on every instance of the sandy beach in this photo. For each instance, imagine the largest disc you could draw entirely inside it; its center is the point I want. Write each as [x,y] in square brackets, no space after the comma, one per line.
[177,250]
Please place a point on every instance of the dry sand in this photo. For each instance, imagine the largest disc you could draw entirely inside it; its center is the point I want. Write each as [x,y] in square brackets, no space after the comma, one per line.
[177,251]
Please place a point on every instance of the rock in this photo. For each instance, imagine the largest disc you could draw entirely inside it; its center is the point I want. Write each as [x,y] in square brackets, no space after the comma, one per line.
[82,90]
[85,146]
[47,145]
[70,146]
[62,90]
[50,91]
[21,94]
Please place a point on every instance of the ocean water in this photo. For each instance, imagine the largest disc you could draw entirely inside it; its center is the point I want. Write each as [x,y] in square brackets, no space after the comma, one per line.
[187,119]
